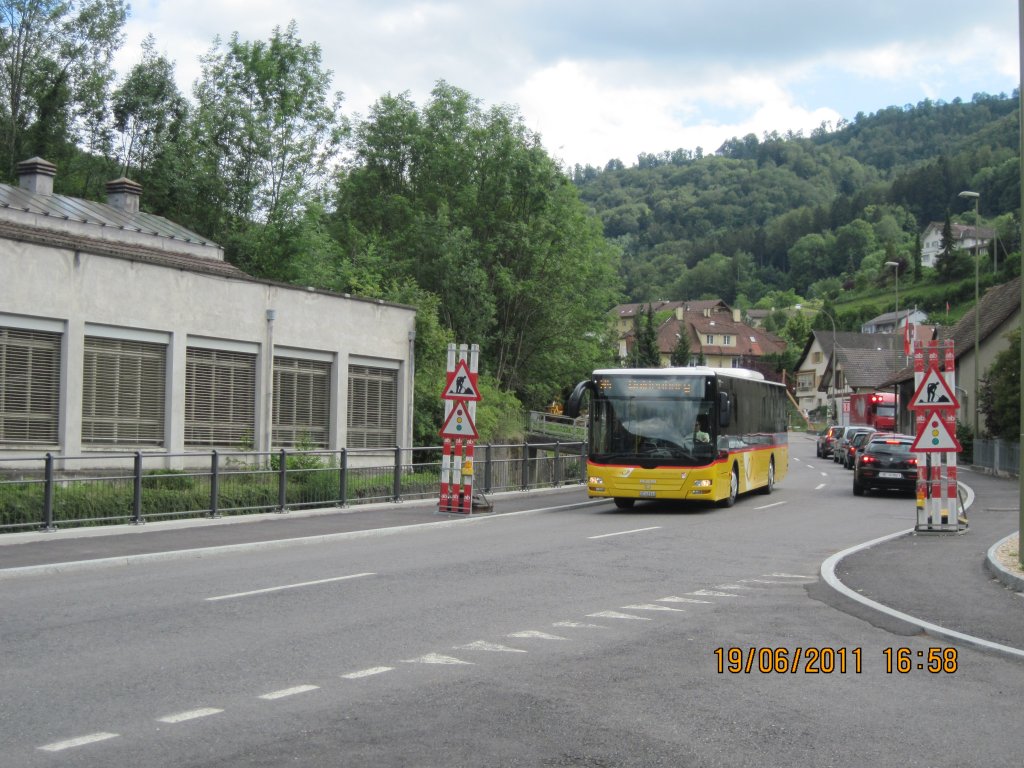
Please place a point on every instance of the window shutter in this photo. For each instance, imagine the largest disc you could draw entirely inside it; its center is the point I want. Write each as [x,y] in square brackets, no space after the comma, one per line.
[29,386]
[302,402]
[372,407]
[123,392]
[220,398]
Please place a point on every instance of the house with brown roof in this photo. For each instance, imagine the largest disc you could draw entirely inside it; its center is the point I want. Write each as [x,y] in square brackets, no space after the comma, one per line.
[998,314]
[121,331]
[715,333]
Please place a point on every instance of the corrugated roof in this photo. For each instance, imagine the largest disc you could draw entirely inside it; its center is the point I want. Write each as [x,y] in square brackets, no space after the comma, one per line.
[64,208]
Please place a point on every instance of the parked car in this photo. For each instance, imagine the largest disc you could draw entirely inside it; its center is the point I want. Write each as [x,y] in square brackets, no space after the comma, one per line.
[827,440]
[839,450]
[850,440]
[886,463]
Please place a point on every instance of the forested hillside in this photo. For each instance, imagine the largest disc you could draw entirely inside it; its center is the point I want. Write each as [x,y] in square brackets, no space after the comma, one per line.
[456,208]
[812,214]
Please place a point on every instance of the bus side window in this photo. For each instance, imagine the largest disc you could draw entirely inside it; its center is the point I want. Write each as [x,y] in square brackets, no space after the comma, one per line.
[724,409]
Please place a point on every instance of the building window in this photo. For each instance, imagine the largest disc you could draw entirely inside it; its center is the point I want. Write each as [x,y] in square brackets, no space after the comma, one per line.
[372,407]
[805,381]
[29,386]
[727,340]
[123,392]
[709,339]
[220,398]
[815,357]
[302,402]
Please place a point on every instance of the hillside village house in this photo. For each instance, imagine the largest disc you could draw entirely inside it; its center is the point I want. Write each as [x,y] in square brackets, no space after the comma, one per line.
[715,332]
[893,322]
[122,331]
[964,238]
[836,364]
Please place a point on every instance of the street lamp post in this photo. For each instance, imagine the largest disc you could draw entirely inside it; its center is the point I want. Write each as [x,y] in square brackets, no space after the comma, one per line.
[966,194]
[896,356]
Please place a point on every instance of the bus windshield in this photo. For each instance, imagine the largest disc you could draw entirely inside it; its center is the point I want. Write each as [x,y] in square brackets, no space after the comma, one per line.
[653,421]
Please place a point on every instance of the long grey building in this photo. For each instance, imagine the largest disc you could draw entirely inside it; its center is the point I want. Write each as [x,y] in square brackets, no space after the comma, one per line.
[123,331]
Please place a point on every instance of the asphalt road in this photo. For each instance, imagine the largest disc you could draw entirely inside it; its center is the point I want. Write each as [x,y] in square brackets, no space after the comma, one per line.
[584,636]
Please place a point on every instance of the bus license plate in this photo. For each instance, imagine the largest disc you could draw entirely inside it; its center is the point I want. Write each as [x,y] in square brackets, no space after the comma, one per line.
[647,494]
[891,475]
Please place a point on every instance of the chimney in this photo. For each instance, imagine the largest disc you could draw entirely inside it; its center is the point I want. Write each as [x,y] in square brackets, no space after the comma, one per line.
[36,176]
[124,195]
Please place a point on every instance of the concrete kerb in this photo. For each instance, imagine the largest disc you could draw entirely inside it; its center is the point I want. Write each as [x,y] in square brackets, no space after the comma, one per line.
[995,566]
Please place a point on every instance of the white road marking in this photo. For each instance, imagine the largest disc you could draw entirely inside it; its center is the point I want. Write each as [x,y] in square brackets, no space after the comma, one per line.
[769,506]
[436,658]
[288,586]
[285,692]
[710,593]
[535,635]
[623,533]
[651,607]
[731,586]
[366,673]
[192,714]
[819,486]
[616,615]
[824,474]
[788,576]
[81,741]
[760,581]
[483,645]
[577,625]
[674,599]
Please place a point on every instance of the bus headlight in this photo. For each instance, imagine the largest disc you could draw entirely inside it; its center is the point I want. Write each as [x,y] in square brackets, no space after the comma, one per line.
[702,483]
[595,481]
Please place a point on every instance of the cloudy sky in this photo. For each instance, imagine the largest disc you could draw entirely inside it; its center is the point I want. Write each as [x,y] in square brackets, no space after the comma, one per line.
[601,80]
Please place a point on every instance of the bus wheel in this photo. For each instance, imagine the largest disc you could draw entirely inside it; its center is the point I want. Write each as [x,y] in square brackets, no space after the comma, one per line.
[624,503]
[767,487]
[734,489]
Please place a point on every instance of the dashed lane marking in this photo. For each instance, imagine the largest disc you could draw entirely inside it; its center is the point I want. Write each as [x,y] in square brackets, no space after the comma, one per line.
[769,506]
[789,576]
[578,625]
[674,599]
[819,486]
[285,692]
[435,658]
[81,741]
[623,533]
[532,634]
[616,615]
[651,607]
[366,673]
[192,714]
[288,586]
[483,645]
[711,593]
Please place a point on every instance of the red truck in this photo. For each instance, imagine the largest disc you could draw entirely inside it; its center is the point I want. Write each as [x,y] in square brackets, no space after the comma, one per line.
[874,409]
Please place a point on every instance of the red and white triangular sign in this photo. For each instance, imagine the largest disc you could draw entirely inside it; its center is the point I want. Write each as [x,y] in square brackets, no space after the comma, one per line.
[459,424]
[933,392]
[461,384]
[934,436]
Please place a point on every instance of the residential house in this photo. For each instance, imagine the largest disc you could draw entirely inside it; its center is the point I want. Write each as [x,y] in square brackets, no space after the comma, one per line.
[835,364]
[716,336]
[964,238]
[121,331]
[892,322]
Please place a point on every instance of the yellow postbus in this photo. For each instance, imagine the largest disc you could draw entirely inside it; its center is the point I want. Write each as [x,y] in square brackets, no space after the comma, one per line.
[692,434]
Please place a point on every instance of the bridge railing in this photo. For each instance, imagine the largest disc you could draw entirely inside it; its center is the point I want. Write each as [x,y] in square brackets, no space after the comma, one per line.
[555,426]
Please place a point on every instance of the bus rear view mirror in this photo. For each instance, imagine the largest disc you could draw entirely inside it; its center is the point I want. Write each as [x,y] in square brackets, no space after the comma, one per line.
[724,409]
[574,404]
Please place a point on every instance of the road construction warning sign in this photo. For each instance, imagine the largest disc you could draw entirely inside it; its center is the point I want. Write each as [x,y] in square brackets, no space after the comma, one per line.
[459,424]
[934,435]
[461,384]
[933,392]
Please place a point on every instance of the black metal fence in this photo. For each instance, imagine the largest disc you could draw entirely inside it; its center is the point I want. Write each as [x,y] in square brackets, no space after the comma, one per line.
[51,491]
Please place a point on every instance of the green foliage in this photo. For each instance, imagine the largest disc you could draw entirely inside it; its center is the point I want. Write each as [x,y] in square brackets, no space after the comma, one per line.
[498,414]
[999,398]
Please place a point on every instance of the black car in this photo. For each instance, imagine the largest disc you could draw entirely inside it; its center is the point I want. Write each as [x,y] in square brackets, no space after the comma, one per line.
[886,463]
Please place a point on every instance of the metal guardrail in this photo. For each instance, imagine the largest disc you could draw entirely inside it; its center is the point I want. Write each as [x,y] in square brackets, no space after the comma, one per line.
[555,426]
[1001,456]
[47,492]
